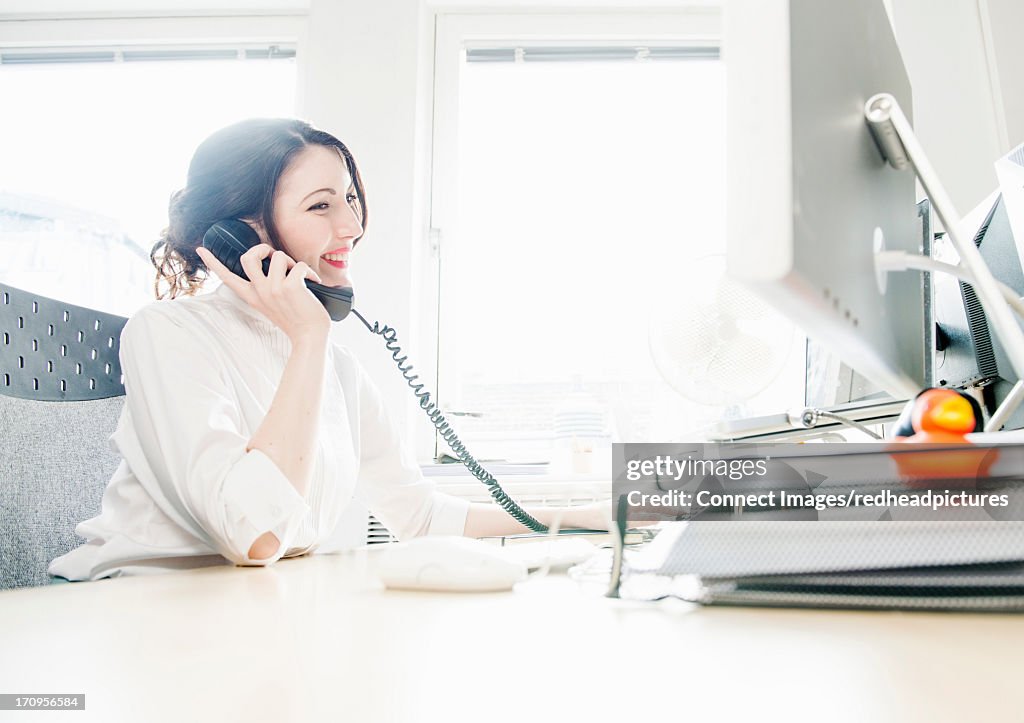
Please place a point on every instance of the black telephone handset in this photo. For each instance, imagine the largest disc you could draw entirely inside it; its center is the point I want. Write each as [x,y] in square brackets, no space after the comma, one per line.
[230,238]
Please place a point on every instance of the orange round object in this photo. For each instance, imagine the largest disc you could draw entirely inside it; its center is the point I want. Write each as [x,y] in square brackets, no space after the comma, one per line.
[943,416]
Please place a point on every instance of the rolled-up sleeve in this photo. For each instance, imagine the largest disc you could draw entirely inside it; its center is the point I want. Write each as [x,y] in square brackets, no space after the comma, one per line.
[396,491]
[191,442]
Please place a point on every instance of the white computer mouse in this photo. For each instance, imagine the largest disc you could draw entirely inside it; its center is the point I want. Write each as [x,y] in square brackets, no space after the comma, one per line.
[449,563]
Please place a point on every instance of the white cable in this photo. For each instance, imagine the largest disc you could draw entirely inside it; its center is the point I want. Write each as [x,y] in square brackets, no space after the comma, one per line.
[904,261]
[549,537]
[808,417]
[1008,407]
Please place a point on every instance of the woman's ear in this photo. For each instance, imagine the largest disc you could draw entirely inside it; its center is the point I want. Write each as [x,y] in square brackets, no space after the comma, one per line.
[259,228]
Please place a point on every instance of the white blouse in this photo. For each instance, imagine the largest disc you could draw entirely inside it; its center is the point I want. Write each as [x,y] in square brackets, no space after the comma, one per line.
[200,374]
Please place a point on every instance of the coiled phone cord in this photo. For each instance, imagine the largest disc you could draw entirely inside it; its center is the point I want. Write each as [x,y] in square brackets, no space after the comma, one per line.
[510,506]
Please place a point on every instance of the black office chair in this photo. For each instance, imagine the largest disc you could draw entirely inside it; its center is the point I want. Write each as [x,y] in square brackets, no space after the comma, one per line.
[61,394]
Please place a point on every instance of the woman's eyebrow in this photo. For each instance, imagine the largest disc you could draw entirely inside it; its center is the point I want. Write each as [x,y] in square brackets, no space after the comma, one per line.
[329,190]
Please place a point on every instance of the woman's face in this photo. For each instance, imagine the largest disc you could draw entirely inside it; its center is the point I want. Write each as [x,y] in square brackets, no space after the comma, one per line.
[317,213]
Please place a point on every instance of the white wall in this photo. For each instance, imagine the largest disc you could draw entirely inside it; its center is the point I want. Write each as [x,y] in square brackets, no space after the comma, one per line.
[962,80]
[360,80]
[1006,24]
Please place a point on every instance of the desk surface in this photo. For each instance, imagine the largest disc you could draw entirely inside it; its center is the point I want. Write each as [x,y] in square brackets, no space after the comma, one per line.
[318,638]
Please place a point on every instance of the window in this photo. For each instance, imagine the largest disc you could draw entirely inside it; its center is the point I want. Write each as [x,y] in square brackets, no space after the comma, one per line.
[579,197]
[94,142]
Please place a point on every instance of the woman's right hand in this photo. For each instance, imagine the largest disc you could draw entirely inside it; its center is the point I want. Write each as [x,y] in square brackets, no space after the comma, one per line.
[280,294]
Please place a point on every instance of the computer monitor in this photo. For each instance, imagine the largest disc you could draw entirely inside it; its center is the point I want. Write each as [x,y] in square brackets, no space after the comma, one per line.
[810,198]
[969,355]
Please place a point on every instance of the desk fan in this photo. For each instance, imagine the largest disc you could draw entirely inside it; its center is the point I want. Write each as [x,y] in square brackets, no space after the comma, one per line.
[713,341]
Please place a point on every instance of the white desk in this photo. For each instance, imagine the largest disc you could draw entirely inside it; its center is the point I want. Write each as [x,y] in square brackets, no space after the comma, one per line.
[317,638]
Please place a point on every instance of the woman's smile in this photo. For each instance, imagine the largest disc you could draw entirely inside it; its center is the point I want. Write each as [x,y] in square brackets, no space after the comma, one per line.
[337,258]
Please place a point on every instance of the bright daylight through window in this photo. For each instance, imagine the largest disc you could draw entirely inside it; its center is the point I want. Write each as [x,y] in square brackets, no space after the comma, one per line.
[88,172]
[590,305]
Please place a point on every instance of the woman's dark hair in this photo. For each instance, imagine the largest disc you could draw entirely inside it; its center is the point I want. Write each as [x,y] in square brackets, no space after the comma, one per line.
[234,174]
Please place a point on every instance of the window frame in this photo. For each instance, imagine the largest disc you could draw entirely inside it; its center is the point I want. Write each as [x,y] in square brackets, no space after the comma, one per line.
[454,33]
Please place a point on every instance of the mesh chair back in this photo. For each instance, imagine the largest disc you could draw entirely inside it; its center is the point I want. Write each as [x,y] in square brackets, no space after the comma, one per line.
[61,394]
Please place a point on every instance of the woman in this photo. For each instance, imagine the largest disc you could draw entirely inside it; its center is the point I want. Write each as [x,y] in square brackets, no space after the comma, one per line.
[246,432]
